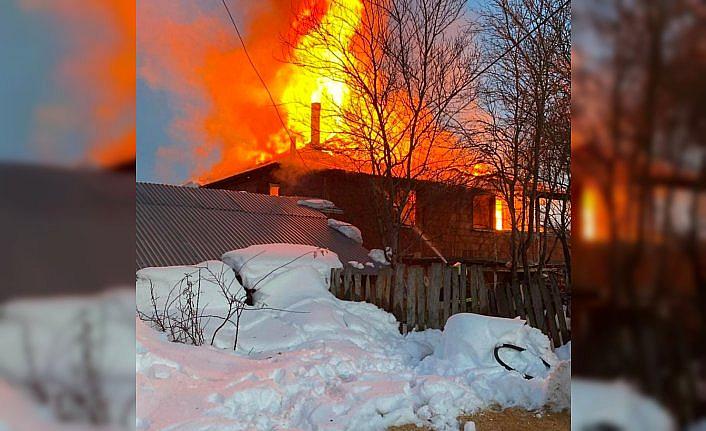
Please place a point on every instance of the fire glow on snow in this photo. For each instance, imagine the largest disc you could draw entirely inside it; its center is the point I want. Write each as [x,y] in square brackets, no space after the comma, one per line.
[312,361]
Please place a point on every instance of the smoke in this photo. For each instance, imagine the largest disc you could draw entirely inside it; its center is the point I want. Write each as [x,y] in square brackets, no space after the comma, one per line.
[224,120]
[96,78]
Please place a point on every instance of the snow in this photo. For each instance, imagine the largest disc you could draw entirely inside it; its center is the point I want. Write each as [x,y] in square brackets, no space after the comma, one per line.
[356,264]
[468,341]
[259,262]
[213,280]
[378,256]
[307,360]
[346,229]
[51,336]
[466,349]
[290,287]
[469,426]
[615,404]
[317,204]
[564,352]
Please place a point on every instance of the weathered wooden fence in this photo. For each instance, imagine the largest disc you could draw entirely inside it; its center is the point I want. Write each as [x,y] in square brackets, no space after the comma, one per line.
[425,296]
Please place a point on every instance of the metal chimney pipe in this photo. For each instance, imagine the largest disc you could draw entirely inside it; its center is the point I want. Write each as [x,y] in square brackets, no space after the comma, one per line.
[315,124]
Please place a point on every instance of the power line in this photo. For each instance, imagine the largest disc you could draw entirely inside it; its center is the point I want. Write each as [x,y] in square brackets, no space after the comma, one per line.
[522,39]
[262,81]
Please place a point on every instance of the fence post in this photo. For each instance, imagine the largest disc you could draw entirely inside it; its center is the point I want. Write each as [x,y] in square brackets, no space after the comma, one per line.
[398,293]
[433,294]
[368,291]
[501,300]
[357,282]
[511,305]
[463,279]
[455,293]
[446,304]
[347,284]
[335,281]
[411,297]
[422,288]
[475,308]
[537,305]
[483,302]
[556,296]
[551,313]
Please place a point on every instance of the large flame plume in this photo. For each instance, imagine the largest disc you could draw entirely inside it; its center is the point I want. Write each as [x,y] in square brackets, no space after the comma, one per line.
[224,118]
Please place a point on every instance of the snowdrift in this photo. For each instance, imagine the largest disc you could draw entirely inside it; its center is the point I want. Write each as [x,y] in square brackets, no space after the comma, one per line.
[259,262]
[307,360]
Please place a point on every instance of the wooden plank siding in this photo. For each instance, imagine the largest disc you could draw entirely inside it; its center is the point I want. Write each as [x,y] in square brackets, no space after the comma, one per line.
[422,297]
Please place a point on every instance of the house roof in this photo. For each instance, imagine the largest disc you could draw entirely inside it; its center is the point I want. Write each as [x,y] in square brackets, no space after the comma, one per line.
[184,225]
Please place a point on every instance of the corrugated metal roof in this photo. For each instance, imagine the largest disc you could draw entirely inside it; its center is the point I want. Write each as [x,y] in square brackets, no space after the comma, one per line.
[183,225]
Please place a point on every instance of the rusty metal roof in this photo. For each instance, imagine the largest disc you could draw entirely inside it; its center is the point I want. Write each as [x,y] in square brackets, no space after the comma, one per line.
[183,225]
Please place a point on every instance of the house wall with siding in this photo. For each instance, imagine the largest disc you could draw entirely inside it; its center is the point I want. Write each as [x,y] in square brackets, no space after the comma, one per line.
[444,214]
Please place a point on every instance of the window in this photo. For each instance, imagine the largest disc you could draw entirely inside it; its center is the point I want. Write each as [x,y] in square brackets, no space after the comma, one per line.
[498,214]
[483,206]
[274,189]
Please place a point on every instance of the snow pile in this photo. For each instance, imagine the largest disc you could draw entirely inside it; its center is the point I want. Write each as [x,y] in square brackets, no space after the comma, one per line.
[72,349]
[615,405]
[259,262]
[469,340]
[172,287]
[166,282]
[355,264]
[564,352]
[346,229]
[290,287]
[307,360]
[317,204]
[467,349]
[378,256]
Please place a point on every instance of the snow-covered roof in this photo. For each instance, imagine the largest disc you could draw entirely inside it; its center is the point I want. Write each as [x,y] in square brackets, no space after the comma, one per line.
[184,226]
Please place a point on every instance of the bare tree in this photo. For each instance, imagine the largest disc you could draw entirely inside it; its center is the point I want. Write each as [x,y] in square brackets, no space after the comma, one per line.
[525,135]
[407,66]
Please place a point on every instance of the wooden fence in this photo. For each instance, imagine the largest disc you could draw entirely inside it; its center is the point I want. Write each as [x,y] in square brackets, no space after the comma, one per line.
[424,297]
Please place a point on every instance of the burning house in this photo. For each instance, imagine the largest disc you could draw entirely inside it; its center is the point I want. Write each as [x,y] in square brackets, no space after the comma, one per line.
[441,221]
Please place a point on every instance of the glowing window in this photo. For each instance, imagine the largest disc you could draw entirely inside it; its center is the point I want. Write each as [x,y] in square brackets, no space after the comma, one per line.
[274,189]
[498,214]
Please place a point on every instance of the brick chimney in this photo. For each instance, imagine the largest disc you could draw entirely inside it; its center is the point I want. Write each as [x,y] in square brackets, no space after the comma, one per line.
[315,124]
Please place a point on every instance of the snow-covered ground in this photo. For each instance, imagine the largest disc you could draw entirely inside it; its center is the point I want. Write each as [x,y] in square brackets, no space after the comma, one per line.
[306,360]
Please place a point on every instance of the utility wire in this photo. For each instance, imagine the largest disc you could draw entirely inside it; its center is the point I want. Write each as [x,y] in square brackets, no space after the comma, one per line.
[476,76]
[262,81]
[522,39]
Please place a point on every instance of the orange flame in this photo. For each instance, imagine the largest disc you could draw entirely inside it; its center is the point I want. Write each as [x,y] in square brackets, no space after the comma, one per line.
[224,116]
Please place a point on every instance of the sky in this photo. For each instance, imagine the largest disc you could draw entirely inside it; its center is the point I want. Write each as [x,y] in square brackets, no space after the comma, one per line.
[26,68]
